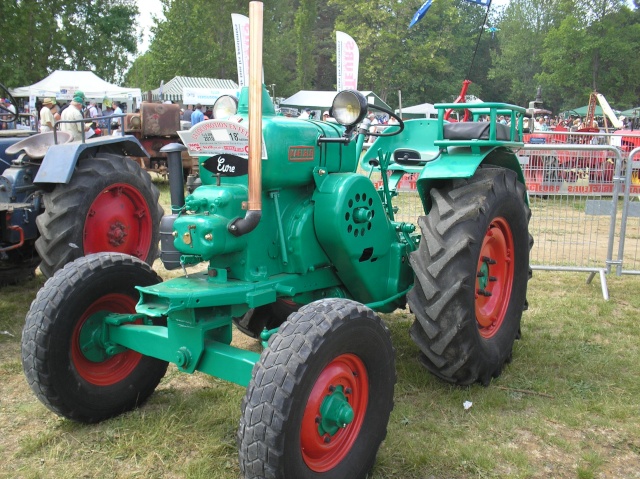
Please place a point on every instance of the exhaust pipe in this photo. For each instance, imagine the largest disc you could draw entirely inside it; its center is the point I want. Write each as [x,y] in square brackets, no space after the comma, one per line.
[247,224]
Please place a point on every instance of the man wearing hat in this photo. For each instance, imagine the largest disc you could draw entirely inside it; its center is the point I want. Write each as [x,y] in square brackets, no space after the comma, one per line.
[47,119]
[74,112]
[7,106]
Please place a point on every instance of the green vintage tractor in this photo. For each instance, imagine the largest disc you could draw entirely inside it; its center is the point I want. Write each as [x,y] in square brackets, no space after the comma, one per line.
[299,249]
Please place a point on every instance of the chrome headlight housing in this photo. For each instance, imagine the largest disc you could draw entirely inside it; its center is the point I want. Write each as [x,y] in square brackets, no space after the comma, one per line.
[225,106]
[349,107]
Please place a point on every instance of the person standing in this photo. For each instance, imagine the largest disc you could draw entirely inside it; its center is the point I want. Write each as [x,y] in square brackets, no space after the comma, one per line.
[92,112]
[197,116]
[186,116]
[117,111]
[74,113]
[47,119]
[12,110]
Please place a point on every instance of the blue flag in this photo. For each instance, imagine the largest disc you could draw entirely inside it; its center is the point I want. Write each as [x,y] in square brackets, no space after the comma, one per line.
[421,13]
[484,3]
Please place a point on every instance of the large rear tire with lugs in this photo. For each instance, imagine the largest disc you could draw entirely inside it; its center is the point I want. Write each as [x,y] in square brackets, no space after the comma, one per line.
[320,397]
[109,205]
[471,273]
[65,363]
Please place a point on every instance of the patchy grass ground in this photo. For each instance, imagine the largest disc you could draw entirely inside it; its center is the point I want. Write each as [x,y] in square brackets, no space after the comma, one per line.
[567,407]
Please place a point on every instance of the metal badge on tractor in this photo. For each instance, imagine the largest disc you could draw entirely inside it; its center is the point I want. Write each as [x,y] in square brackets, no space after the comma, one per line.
[297,249]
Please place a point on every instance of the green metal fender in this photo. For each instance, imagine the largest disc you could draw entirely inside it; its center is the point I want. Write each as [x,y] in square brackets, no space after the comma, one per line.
[462,162]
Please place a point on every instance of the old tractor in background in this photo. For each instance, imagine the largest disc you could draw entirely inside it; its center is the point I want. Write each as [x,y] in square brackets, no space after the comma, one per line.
[156,125]
[60,200]
[299,249]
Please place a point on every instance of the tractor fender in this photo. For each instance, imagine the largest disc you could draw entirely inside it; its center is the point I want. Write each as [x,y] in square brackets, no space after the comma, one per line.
[462,162]
[60,160]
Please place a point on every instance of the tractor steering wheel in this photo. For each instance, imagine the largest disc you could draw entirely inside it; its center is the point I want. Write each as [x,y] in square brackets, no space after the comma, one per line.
[6,115]
[399,126]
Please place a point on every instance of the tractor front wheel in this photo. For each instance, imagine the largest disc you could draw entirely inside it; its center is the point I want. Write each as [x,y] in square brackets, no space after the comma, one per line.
[67,369]
[321,395]
[109,205]
[471,273]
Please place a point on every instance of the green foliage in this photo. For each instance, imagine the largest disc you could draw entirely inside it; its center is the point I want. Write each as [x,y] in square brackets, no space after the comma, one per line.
[39,37]
[570,47]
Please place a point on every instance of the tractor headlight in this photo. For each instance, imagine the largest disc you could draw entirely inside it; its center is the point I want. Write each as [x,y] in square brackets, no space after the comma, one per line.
[225,106]
[349,107]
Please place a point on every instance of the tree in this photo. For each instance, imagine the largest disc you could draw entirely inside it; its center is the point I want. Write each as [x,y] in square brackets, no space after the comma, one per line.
[594,48]
[40,37]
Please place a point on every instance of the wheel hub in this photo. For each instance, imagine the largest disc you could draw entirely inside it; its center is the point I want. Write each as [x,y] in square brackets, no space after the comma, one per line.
[117,233]
[494,277]
[334,413]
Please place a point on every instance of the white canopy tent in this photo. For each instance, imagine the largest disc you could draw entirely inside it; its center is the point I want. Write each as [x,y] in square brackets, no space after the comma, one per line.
[62,85]
[424,110]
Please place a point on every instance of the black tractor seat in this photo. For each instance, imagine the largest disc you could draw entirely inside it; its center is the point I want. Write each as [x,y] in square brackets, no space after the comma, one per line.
[474,130]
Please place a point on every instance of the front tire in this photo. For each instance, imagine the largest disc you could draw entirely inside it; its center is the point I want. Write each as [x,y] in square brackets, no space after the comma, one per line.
[471,273]
[321,395]
[110,204]
[71,384]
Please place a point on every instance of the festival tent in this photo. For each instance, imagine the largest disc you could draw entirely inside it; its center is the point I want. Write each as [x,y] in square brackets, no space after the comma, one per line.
[583,110]
[62,84]
[631,112]
[424,110]
[192,90]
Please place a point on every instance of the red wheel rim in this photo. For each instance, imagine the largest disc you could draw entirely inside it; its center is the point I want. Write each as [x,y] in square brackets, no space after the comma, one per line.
[348,371]
[118,221]
[116,368]
[494,279]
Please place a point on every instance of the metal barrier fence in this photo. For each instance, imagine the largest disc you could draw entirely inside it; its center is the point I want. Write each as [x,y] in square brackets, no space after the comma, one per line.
[583,197]
[628,259]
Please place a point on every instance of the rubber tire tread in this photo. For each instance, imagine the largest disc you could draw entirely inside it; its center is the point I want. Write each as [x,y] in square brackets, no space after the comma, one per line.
[443,298]
[268,435]
[65,208]
[46,356]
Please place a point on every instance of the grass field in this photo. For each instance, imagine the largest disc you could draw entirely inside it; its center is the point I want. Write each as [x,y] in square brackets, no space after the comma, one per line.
[568,406]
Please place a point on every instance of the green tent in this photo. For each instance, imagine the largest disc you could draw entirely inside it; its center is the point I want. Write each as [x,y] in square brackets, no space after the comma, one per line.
[583,110]
[631,112]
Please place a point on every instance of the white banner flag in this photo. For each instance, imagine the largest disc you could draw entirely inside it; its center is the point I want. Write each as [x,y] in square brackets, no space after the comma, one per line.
[241,41]
[347,59]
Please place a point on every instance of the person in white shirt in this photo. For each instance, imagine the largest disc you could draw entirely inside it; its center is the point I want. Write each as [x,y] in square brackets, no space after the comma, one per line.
[47,119]
[74,112]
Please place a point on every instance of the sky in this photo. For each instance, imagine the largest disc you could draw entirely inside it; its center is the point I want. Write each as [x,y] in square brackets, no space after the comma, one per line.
[147,8]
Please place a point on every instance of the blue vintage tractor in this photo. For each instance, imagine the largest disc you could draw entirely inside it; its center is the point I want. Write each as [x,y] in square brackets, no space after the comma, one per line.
[60,200]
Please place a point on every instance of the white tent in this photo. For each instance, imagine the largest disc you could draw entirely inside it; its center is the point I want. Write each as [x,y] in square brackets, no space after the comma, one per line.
[62,84]
[425,110]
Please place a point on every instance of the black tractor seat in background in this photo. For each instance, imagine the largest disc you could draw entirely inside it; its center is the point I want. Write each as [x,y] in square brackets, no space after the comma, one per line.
[473,130]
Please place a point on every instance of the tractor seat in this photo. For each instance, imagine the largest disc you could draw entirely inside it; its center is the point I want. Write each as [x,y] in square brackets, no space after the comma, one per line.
[36,146]
[408,157]
[474,130]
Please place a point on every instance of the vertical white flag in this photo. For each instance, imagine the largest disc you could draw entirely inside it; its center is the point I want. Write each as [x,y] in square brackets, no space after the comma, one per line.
[241,41]
[347,59]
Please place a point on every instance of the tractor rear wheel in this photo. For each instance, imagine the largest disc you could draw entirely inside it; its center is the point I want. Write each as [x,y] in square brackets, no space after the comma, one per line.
[61,324]
[321,395]
[471,273]
[110,204]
